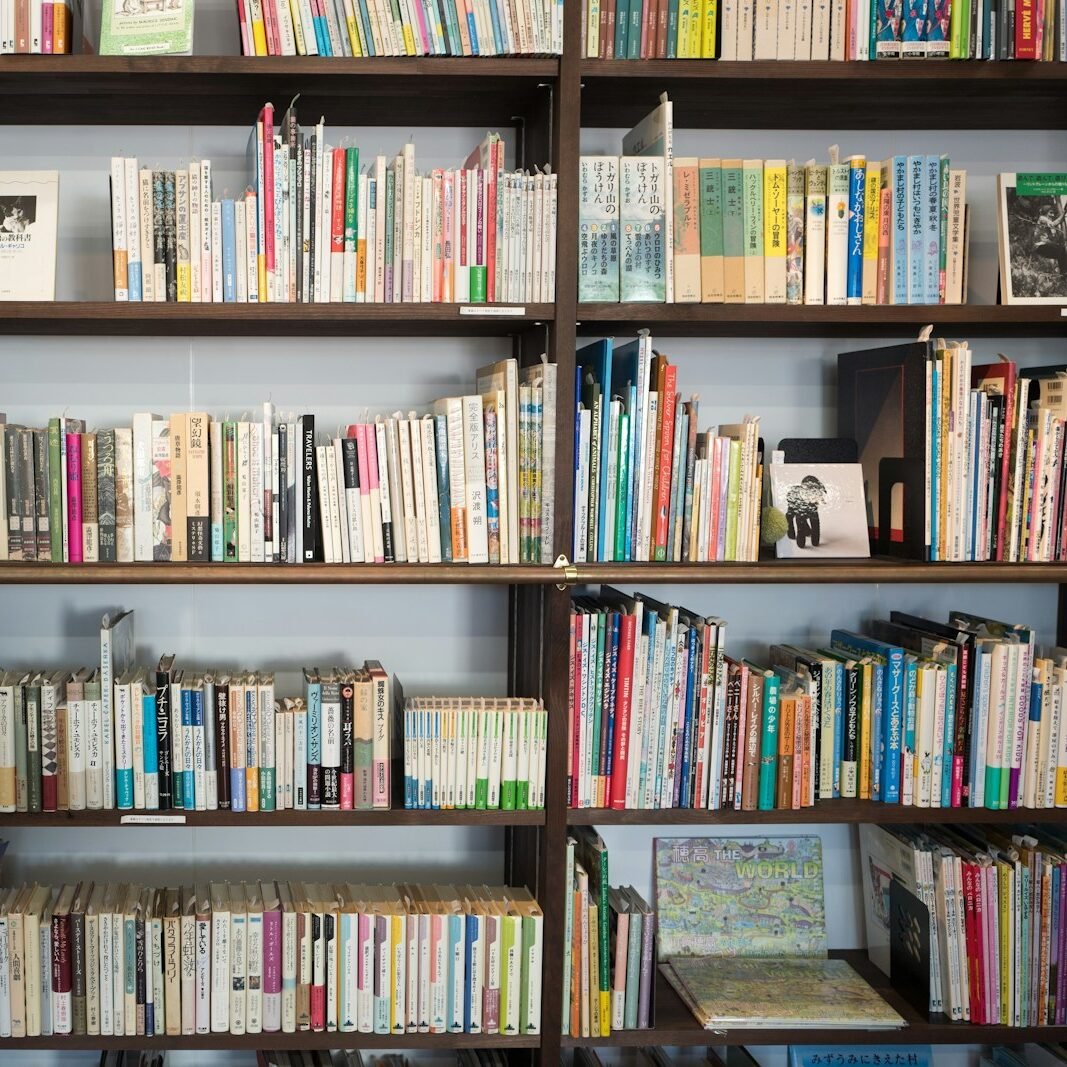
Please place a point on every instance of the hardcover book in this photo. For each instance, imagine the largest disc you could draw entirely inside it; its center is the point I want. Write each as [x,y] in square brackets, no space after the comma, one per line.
[147,27]
[740,897]
[29,213]
[1032,238]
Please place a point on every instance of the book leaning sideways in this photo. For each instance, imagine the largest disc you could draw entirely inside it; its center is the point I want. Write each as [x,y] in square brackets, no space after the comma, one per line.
[146,28]
[777,993]
[29,214]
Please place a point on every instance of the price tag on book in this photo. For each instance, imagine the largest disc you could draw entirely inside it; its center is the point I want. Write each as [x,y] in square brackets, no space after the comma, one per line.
[490,309]
[152,820]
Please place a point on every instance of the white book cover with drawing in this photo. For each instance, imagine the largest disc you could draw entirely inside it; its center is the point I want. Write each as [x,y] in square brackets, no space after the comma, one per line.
[29,218]
[146,27]
[823,505]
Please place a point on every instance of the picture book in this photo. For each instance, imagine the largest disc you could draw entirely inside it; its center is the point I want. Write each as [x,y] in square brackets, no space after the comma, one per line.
[824,509]
[147,27]
[760,897]
[29,217]
[1032,237]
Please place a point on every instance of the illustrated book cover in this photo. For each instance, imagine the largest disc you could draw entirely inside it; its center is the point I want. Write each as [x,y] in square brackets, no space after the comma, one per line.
[29,220]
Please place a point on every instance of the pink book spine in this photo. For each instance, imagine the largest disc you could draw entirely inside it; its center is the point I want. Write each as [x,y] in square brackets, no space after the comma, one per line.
[572,714]
[491,994]
[368,445]
[424,36]
[74,497]
[346,777]
[272,971]
[461,185]
[438,966]
[268,185]
[448,209]
[247,47]
[576,733]
[46,29]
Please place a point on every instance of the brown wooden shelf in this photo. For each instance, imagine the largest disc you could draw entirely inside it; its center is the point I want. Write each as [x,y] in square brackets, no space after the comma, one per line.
[273,574]
[675,1024]
[792,320]
[825,811]
[80,318]
[303,1040]
[715,94]
[326,820]
[230,90]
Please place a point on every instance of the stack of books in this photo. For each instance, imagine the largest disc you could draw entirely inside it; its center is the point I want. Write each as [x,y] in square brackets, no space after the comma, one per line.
[376,28]
[649,484]
[907,711]
[470,481]
[608,968]
[994,898]
[475,752]
[41,28]
[315,227]
[750,231]
[839,30]
[980,451]
[269,957]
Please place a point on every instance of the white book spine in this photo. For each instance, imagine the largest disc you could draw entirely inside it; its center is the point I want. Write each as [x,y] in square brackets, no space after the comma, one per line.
[325,509]
[107,985]
[119,237]
[255,490]
[94,759]
[254,994]
[474,468]
[221,975]
[207,278]
[217,277]
[132,193]
[142,487]
[244,494]
[196,226]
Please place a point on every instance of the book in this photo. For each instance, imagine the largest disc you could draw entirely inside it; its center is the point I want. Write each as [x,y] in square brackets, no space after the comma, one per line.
[139,30]
[29,214]
[1032,238]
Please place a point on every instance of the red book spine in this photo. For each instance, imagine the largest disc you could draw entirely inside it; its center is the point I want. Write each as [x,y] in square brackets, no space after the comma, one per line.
[576,710]
[270,28]
[62,974]
[347,776]
[624,688]
[661,29]
[648,29]
[666,456]
[337,203]
[571,716]
[247,47]
[1026,29]
[317,991]
[74,497]
[50,786]
[496,167]
[46,29]
[267,192]
[885,218]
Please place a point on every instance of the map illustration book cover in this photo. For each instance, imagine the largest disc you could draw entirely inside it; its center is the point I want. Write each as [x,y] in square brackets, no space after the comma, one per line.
[731,896]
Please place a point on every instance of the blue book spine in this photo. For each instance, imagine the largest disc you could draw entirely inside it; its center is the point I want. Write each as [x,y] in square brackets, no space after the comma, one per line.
[611,688]
[469,962]
[950,736]
[899,230]
[498,33]
[632,477]
[981,698]
[932,230]
[916,230]
[456,952]
[877,736]
[314,700]
[444,497]
[229,254]
[133,278]
[622,22]
[856,188]
[473,31]
[911,696]
[935,457]
[662,706]
[367,39]
[672,29]
[188,789]
[839,724]
[685,793]
[322,35]
[410,740]
[149,741]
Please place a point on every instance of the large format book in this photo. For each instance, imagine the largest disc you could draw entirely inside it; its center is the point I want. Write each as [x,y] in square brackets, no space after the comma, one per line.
[29,220]
[1032,238]
[146,29]
[598,228]
[758,897]
[824,993]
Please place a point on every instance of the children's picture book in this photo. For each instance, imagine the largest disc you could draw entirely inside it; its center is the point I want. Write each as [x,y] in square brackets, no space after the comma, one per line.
[777,993]
[757,896]
[873,1056]
[146,28]
[1032,238]
[824,509]
[29,219]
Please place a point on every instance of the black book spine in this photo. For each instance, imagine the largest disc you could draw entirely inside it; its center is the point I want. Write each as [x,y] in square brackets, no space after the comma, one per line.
[77,982]
[348,759]
[300,178]
[105,493]
[310,501]
[159,237]
[163,742]
[283,497]
[171,245]
[13,503]
[350,473]
[222,744]
[40,475]
[140,963]
[28,504]
[309,237]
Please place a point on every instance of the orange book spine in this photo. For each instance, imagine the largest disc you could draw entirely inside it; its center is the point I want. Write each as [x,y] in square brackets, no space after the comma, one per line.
[787,711]
[668,402]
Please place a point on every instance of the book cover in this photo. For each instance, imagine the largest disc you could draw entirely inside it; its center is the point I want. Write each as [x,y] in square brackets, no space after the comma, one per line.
[757,897]
[598,228]
[711,232]
[643,275]
[686,243]
[29,222]
[752,201]
[1032,237]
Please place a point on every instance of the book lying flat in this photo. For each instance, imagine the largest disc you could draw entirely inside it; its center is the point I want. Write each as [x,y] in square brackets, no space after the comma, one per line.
[777,993]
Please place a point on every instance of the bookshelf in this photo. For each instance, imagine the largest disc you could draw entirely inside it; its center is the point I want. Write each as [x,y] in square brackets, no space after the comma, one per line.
[546,103]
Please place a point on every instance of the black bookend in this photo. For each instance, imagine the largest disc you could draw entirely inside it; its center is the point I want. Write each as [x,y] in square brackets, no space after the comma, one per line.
[819,450]
[909,476]
[909,947]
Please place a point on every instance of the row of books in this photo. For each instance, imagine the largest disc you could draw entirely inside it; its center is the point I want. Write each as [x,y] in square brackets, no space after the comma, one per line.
[315,227]
[38,27]
[649,484]
[263,957]
[353,1058]
[412,28]
[608,958]
[470,481]
[479,753]
[995,898]
[978,456]
[908,711]
[855,231]
[840,30]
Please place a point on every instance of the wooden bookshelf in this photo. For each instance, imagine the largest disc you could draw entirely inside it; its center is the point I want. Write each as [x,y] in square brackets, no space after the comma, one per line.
[824,812]
[800,320]
[714,94]
[675,1024]
[325,820]
[78,318]
[230,90]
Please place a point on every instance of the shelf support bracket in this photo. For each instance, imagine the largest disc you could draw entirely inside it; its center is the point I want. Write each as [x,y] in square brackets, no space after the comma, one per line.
[570,572]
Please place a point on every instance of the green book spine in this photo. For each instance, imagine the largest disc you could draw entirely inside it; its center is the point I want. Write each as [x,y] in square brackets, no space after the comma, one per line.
[672,29]
[711,211]
[524,727]
[733,497]
[633,35]
[507,946]
[604,930]
[768,768]
[229,491]
[568,933]
[266,789]
[529,939]
[32,698]
[622,509]
[942,238]
[55,491]
[733,234]
[622,27]
[351,223]
[600,625]
[633,971]
[392,285]
[508,789]
[481,783]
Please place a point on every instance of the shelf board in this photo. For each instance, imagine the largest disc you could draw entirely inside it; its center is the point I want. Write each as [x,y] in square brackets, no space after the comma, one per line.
[274,574]
[792,320]
[715,94]
[112,318]
[302,1040]
[835,571]
[327,820]
[230,90]
[824,812]
[675,1024]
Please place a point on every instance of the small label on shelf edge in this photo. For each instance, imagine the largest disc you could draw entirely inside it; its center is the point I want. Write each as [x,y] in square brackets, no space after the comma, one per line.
[490,309]
[152,820]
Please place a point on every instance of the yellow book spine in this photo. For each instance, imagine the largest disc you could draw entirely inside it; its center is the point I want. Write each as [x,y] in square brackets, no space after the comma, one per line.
[594,974]
[696,28]
[259,37]
[709,40]
[397,972]
[865,732]
[774,231]
[685,15]
[298,28]
[353,31]
[251,788]
[1003,919]
[871,215]
[261,270]
[1061,787]
[185,290]
[409,40]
